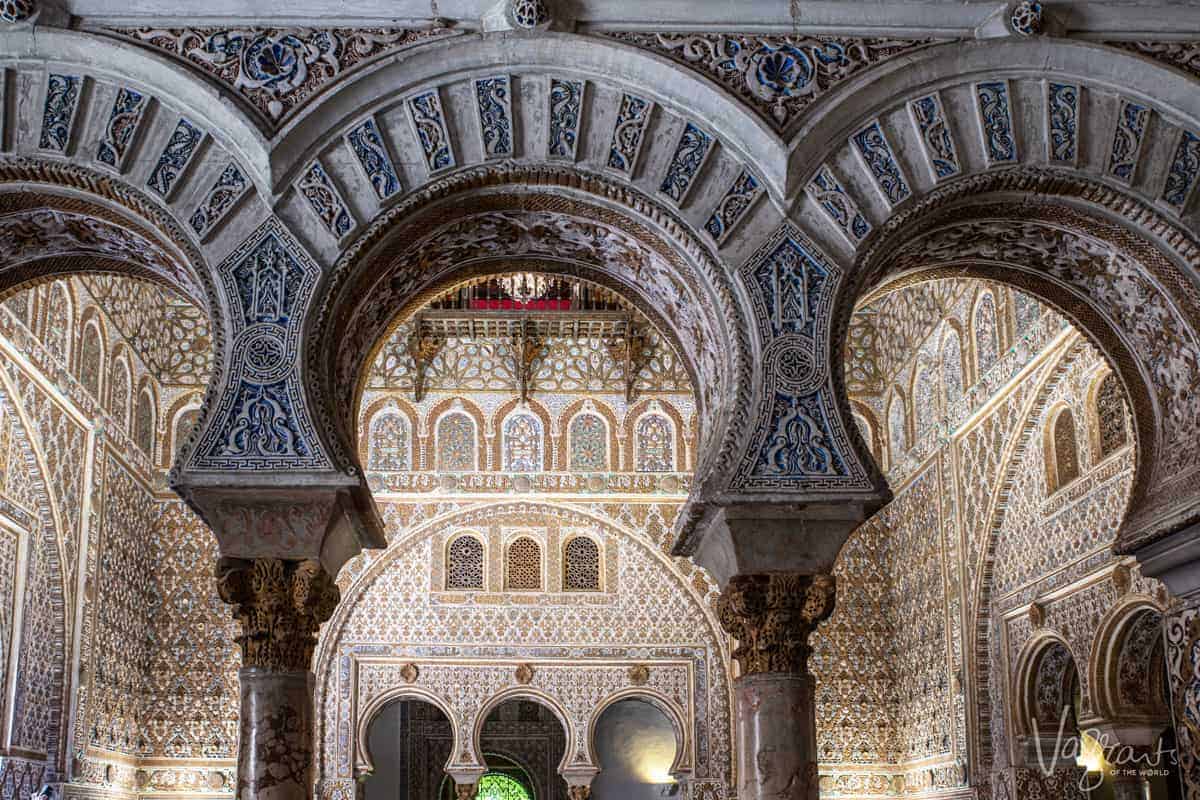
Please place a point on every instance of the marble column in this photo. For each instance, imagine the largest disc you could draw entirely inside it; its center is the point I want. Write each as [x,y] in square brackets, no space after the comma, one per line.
[280,605]
[772,615]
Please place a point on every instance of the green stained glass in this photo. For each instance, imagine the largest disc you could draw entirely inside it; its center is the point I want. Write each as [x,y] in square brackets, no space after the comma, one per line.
[495,786]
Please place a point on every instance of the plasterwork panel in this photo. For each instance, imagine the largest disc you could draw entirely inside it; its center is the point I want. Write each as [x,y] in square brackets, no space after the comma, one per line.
[390,616]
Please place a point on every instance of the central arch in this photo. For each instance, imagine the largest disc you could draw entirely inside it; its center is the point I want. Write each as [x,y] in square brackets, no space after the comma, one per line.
[550,220]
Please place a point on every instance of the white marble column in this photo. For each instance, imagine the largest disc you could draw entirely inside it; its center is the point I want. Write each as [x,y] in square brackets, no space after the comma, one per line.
[280,605]
[771,615]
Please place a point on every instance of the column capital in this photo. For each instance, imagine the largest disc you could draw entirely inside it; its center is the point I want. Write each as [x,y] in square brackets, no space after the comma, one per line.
[280,605]
[772,615]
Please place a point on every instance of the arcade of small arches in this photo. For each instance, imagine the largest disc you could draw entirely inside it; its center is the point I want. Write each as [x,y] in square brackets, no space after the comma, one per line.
[567,400]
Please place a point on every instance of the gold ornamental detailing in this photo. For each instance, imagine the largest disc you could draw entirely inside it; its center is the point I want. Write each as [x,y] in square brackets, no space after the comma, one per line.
[524,674]
[410,673]
[465,791]
[639,674]
[280,605]
[772,615]
[579,792]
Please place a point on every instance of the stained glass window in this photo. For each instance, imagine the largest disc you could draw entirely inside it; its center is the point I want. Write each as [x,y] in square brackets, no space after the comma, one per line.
[143,423]
[91,356]
[522,443]
[464,567]
[1110,415]
[588,442]
[952,366]
[118,401]
[388,444]
[1065,452]
[654,444]
[58,320]
[523,570]
[581,565]
[987,335]
[498,786]
[897,427]
[183,427]
[456,449]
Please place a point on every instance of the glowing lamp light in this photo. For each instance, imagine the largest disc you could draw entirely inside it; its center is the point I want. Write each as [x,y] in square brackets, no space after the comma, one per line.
[1091,754]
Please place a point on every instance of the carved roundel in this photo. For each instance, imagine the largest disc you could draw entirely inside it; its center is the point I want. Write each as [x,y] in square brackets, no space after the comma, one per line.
[791,361]
[264,353]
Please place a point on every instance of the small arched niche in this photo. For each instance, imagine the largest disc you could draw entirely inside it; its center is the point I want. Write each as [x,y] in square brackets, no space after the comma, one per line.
[523,745]
[409,742]
[635,746]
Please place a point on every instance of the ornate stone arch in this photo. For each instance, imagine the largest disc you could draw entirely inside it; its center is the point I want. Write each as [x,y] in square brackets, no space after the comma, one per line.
[120,362]
[682,763]
[394,405]
[596,408]
[1127,646]
[530,694]
[551,457]
[1063,459]
[91,320]
[550,219]
[984,296]
[874,432]
[1043,678]
[363,763]
[644,408]
[1065,248]
[186,403]
[145,389]
[472,412]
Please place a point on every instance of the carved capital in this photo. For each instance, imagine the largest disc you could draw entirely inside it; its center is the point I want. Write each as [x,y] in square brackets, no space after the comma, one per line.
[771,615]
[465,791]
[280,605]
[579,792]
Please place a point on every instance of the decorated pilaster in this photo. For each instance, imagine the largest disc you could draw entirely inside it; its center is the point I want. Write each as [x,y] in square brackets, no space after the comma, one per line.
[1175,560]
[772,615]
[280,606]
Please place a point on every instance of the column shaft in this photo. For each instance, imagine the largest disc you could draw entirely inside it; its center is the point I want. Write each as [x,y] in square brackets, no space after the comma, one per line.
[771,615]
[280,605]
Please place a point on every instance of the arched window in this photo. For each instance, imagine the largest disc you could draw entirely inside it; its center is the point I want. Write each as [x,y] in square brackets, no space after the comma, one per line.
[986,331]
[456,448]
[523,443]
[143,422]
[498,786]
[1062,456]
[523,566]
[897,427]
[925,400]
[588,444]
[91,356]
[184,424]
[387,447]
[1110,416]
[581,565]
[952,366]
[464,563]
[118,400]
[58,321]
[654,443]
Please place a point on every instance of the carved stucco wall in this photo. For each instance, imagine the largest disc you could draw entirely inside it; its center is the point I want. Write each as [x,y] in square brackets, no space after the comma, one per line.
[582,646]
[915,701]
[81,483]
